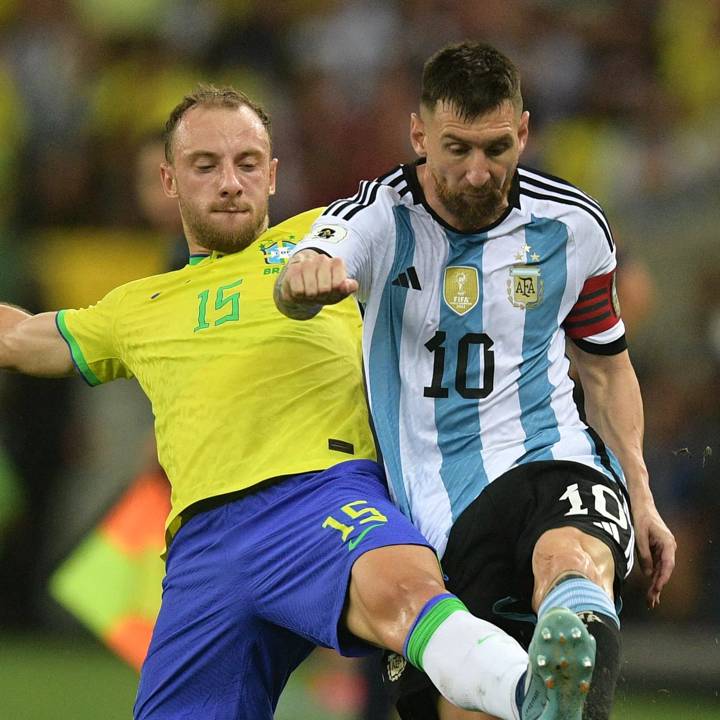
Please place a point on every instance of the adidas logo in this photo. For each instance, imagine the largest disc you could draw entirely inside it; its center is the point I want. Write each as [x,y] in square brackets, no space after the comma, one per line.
[408,278]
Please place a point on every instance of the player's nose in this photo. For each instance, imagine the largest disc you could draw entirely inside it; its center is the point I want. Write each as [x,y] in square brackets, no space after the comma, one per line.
[230,181]
[478,171]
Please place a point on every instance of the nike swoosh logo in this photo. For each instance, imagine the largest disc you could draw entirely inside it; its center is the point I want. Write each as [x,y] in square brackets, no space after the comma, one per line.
[354,542]
[482,640]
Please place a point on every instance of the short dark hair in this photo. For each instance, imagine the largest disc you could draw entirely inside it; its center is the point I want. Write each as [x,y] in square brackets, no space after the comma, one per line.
[471,77]
[209,95]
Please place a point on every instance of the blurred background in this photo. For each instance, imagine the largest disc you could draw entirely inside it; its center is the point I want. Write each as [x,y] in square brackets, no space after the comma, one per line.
[624,98]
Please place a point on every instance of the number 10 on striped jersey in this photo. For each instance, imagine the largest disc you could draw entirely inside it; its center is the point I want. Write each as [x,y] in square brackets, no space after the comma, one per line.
[436,345]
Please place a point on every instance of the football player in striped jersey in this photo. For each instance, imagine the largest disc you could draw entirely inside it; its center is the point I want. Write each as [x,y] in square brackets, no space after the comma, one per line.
[478,278]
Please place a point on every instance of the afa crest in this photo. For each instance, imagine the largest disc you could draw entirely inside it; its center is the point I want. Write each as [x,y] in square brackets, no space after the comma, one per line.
[276,253]
[461,288]
[525,286]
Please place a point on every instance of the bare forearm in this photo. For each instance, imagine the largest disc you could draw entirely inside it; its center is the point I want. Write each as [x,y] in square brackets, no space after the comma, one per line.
[614,408]
[10,316]
[31,344]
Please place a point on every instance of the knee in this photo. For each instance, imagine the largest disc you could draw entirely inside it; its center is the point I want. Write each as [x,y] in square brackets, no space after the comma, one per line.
[567,550]
[388,589]
[551,562]
[400,598]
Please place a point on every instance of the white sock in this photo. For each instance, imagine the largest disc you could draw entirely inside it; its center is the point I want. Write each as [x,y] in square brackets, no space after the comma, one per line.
[475,665]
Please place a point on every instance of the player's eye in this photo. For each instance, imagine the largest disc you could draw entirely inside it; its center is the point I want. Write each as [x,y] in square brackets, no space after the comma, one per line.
[497,150]
[204,168]
[457,149]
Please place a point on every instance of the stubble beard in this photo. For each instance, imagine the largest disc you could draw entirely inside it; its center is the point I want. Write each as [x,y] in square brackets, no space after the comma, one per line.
[210,236]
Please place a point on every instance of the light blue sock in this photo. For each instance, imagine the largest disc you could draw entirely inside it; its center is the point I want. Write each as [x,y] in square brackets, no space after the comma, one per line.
[579,595]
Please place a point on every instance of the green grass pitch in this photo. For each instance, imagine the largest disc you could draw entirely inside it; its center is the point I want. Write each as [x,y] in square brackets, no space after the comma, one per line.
[45,678]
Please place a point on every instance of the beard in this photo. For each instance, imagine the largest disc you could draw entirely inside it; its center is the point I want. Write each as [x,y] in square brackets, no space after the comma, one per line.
[475,208]
[212,236]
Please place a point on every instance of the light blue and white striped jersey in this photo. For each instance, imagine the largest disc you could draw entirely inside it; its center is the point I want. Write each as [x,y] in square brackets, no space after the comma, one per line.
[464,333]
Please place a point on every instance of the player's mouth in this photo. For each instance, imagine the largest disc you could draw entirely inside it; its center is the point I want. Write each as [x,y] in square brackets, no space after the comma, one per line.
[479,193]
[231,210]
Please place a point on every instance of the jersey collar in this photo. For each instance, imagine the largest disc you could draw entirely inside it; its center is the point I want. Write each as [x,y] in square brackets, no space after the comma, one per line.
[197,258]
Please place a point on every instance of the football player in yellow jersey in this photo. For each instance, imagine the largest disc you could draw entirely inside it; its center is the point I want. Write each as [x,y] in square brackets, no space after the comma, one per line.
[282,536]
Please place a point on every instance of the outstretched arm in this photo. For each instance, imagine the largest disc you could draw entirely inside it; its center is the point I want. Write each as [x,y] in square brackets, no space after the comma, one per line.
[32,344]
[309,281]
[613,407]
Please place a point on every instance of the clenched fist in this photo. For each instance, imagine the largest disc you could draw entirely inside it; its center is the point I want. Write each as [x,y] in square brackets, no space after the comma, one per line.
[309,281]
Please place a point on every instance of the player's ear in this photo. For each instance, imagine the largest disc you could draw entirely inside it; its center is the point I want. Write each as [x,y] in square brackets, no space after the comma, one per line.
[273,176]
[167,176]
[417,134]
[523,130]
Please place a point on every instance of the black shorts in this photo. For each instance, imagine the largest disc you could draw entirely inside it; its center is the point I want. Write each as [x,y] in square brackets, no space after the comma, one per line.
[488,559]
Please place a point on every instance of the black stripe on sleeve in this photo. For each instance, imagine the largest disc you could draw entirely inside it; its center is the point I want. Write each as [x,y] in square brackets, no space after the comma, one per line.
[346,208]
[333,206]
[318,250]
[612,348]
[567,201]
[587,321]
[358,208]
[567,188]
[582,311]
[590,296]
[358,198]
[398,169]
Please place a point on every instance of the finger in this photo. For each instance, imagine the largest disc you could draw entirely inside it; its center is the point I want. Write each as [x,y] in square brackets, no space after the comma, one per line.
[664,568]
[310,272]
[662,571]
[286,280]
[325,279]
[645,558]
[653,592]
[295,278]
[339,274]
[349,286]
[653,599]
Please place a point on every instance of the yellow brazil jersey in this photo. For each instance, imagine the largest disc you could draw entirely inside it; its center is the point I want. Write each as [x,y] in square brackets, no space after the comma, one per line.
[240,393]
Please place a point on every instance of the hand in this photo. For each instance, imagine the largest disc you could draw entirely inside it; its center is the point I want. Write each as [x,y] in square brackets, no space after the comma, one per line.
[311,278]
[656,549]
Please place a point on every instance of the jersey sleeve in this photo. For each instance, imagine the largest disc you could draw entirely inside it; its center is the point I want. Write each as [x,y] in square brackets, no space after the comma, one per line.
[356,231]
[594,321]
[90,335]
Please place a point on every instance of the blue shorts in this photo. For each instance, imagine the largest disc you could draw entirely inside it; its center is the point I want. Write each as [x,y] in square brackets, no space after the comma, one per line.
[253,585]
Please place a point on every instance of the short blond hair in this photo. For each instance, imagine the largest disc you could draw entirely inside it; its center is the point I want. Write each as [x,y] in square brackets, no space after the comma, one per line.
[209,95]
